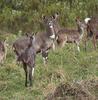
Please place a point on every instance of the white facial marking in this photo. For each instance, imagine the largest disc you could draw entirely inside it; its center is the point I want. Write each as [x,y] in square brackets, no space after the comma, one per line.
[87,19]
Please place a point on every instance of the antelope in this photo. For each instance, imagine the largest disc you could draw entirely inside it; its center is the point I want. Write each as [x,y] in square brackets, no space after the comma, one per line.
[42,41]
[92,30]
[3,51]
[71,35]
[27,58]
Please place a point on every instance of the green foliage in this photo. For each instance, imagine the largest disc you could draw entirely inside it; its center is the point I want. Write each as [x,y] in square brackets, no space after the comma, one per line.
[26,15]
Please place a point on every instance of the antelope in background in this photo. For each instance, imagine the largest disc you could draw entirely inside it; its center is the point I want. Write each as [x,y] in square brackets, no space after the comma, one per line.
[92,30]
[42,41]
[71,35]
[3,51]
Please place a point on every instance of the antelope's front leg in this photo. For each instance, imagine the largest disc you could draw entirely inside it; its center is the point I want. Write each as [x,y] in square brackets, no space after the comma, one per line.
[30,75]
[78,48]
[26,73]
[45,56]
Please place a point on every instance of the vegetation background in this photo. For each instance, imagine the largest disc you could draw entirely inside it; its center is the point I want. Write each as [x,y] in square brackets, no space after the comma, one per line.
[65,66]
[26,15]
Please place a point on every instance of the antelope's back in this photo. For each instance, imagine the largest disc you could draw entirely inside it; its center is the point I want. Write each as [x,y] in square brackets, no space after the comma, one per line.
[21,44]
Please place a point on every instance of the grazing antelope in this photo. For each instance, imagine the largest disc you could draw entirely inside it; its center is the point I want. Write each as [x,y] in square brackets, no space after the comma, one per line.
[27,58]
[42,41]
[92,29]
[71,35]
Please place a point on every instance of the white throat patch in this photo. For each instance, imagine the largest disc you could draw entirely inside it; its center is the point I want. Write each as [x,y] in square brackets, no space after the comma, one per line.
[52,36]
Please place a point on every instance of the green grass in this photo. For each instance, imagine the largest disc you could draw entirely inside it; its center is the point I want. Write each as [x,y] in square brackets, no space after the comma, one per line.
[64,65]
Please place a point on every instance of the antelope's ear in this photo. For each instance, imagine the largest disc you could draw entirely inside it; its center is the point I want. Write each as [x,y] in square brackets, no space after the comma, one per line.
[27,34]
[34,33]
[77,18]
[43,17]
[55,16]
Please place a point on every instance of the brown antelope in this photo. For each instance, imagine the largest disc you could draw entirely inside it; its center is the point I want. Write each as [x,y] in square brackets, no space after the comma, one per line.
[42,41]
[92,29]
[71,35]
[27,58]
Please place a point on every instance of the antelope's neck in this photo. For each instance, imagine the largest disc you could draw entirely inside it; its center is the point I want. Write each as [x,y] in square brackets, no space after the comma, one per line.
[81,30]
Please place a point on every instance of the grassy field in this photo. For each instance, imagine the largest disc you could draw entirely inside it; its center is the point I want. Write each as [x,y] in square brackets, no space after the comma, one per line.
[64,66]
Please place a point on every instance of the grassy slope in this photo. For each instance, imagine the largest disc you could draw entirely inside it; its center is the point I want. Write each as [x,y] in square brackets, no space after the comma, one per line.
[64,65]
